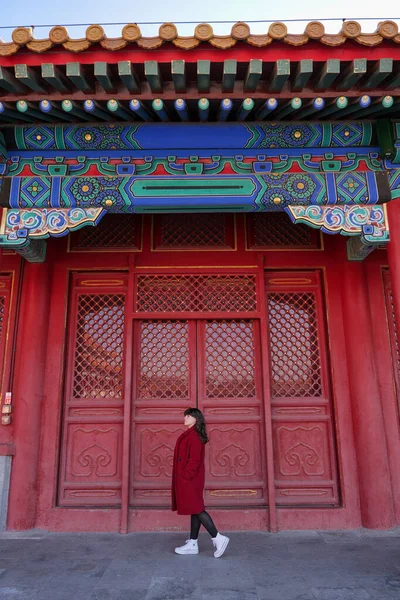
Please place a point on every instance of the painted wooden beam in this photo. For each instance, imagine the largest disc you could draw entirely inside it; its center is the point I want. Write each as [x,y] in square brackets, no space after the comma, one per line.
[338,105]
[358,104]
[74,109]
[203,75]
[92,108]
[381,70]
[9,83]
[178,75]
[303,74]
[292,106]
[102,73]
[269,106]
[52,75]
[330,71]
[140,110]
[28,109]
[9,114]
[160,110]
[28,77]
[47,107]
[115,108]
[204,107]
[229,75]
[224,109]
[316,105]
[280,75]
[74,72]
[253,75]
[152,74]
[245,109]
[181,109]
[127,74]
[353,73]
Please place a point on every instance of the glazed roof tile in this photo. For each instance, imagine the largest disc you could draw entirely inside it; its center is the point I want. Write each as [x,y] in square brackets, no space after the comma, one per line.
[22,37]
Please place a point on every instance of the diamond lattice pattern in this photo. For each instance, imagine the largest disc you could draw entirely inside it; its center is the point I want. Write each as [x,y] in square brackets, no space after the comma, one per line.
[113,231]
[196,293]
[295,356]
[275,230]
[193,231]
[164,360]
[230,359]
[99,346]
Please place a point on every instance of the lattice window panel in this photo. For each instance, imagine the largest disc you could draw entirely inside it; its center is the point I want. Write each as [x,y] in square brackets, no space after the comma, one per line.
[114,232]
[229,359]
[99,346]
[164,360]
[192,231]
[294,344]
[275,230]
[196,293]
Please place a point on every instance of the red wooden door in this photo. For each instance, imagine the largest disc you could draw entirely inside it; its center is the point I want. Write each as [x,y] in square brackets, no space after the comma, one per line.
[213,364]
[91,455]
[303,436]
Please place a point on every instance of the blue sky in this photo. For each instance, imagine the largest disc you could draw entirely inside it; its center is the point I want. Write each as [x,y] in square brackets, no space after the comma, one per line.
[28,12]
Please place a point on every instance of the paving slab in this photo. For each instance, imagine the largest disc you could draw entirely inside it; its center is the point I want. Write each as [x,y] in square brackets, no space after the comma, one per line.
[333,565]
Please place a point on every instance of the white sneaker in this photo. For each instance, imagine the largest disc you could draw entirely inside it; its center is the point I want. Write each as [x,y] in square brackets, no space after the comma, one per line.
[191,547]
[220,542]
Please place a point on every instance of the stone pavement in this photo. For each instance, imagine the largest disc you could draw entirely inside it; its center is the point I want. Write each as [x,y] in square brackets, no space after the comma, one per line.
[358,565]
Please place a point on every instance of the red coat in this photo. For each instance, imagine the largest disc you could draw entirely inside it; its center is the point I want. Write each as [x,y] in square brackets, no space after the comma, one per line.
[188,474]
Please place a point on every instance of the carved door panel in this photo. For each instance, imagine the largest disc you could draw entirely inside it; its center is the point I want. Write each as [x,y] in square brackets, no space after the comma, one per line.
[229,394]
[164,386]
[91,451]
[303,437]
[213,365]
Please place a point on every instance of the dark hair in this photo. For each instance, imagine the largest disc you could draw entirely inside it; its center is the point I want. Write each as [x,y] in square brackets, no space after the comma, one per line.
[200,425]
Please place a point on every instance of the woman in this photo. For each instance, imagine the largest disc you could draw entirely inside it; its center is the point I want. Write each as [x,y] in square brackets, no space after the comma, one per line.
[188,483]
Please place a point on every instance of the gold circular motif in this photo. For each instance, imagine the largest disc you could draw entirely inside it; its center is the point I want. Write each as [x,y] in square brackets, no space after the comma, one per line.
[58,35]
[88,137]
[203,32]
[168,32]
[34,188]
[95,33]
[21,35]
[388,29]
[108,202]
[240,31]
[297,134]
[351,29]
[131,32]
[277,30]
[38,137]
[315,30]
[300,185]
[85,188]
[277,200]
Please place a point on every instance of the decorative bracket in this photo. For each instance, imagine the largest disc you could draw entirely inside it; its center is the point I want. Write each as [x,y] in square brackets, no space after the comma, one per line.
[367,225]
[25,230]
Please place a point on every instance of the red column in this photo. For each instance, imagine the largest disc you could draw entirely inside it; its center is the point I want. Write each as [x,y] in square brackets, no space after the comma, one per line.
[393,209]
[376,499]
[28,394]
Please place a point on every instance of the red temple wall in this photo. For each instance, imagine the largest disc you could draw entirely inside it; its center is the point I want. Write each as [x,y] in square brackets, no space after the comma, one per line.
[38,387]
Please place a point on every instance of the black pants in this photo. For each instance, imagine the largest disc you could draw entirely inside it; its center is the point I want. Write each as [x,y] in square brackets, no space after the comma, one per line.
[204,519]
